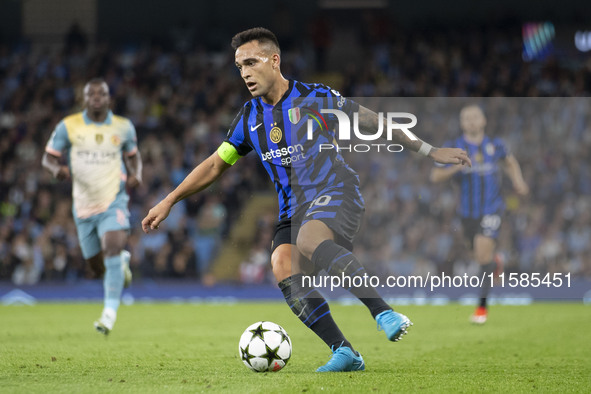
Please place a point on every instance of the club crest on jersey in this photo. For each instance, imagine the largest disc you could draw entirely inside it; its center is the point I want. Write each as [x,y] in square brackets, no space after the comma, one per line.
[98,138]
[294,115]
[276,134]
[115,140]
[490,149]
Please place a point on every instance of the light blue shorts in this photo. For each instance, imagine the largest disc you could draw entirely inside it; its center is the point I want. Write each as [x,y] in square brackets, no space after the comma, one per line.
[92,229]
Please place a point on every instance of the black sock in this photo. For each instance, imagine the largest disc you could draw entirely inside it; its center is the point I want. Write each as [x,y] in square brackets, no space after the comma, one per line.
[312,309]
[486,269]
[482,302]
[337,260]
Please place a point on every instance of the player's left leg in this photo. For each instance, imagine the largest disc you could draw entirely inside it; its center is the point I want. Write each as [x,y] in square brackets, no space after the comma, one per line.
[484,249]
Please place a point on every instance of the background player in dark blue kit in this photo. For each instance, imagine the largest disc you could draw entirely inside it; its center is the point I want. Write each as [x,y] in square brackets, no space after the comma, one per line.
[320,204]
[481,204]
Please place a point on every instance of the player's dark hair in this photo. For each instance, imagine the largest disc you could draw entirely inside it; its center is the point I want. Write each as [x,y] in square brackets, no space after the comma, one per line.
[96,81]
[260,34]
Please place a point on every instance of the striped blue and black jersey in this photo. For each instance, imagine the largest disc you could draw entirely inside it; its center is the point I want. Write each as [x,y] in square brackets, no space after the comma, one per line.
[480,185]
[289,146]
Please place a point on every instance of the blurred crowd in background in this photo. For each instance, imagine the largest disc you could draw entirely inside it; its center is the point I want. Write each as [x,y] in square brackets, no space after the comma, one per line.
[181,98]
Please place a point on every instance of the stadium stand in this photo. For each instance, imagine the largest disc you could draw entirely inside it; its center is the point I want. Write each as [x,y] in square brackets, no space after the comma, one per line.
[181,101]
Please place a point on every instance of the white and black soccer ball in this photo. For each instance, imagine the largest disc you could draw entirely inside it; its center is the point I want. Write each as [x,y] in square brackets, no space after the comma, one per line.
[265,347]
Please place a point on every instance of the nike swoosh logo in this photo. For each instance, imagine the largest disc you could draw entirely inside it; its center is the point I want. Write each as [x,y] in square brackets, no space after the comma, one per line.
[313,212]
[256,127]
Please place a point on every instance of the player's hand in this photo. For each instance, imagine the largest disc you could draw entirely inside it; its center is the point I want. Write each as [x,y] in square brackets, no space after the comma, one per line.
[63,173]
[521,188]
[133,181]
[155,216]
[450,156]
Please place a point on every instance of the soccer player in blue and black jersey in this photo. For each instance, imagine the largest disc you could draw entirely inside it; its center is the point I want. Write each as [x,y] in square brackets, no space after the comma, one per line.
[481,204]
[319,200]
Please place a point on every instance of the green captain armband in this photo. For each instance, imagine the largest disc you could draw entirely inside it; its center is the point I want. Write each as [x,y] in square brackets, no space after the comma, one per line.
[228,153]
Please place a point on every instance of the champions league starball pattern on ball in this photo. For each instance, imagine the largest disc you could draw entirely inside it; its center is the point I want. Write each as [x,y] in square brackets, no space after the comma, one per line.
[265,347]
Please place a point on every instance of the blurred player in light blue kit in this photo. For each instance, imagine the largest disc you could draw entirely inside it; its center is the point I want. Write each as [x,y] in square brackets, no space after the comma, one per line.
[481,204]
[102,156]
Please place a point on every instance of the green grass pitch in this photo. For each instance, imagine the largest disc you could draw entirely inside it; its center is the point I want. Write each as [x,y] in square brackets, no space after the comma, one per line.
[193,348]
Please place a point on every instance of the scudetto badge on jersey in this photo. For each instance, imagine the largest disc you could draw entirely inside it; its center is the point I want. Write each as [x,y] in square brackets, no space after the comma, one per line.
[294,115]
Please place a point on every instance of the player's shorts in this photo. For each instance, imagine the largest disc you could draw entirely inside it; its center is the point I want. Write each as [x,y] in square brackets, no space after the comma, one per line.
[91,230]
[340,208]
[487,225]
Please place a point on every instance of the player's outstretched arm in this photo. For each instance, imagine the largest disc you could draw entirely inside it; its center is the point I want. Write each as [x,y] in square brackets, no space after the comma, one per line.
[513,170]
[450,156]
[442,174]
[368,120]
[200,178]
[51,163]
[133,164]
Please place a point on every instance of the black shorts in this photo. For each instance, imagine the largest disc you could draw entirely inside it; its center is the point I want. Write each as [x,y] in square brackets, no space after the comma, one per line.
[340,208]
[487,225]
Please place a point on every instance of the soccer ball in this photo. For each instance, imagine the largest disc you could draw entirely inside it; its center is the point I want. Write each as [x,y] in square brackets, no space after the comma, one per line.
[265,347]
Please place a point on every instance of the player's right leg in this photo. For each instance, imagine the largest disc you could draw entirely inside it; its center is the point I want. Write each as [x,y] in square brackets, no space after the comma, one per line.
[312,309]
[484,248]
[114,280]
[90,244]
[113,228]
